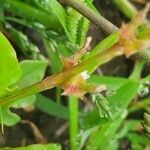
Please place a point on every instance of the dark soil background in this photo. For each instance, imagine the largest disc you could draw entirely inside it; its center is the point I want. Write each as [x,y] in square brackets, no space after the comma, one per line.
[55,130]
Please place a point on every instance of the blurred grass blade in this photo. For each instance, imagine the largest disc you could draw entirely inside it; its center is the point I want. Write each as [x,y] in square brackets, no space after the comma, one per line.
[138,138]
[141,104]
[128,125]
[26,11]
[50,107]
[126,8]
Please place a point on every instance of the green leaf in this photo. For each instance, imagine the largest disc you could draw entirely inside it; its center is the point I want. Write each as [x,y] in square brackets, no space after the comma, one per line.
[83,137]
[123,97]
[91,119]
[48,106]
[24,10]
[25,102]
[83,25]
[8,118]
[73,19]
[104,45]
[10,70]
[102,105]
[118,105]
[110,82]
[25,46]
[78,25]
[32,72]
[139,139]
[36,147]
[60,13]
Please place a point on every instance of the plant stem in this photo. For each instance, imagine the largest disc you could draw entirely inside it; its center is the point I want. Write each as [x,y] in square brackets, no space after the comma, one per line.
[89,65]
[103,23]
[36,88]
[73,122]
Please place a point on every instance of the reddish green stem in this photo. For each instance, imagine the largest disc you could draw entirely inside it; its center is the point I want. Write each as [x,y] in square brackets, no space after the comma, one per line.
[89,65]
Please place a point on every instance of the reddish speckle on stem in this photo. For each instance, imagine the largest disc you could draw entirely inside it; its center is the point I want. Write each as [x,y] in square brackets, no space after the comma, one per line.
[70,90]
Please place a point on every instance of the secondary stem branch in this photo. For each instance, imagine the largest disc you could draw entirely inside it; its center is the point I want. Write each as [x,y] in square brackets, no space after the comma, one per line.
[103,23]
